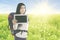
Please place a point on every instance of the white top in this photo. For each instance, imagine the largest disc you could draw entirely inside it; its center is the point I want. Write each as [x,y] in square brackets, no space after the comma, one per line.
[21,27]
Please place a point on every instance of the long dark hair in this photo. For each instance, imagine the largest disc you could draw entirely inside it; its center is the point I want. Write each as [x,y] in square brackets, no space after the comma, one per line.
[18,8]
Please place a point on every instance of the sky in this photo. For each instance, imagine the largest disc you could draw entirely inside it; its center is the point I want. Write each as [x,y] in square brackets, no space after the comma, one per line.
[32,6]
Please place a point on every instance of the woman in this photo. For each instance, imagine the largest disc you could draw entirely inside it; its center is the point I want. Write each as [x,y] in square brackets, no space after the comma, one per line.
[22,33]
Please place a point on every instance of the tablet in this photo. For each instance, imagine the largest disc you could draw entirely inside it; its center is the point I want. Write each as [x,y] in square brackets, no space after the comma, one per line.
[21,18]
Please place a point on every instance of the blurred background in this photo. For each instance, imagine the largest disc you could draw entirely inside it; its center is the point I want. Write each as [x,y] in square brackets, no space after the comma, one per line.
[44,19]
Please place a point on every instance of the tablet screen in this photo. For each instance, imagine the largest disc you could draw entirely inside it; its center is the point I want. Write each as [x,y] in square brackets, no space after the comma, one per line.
[21,19]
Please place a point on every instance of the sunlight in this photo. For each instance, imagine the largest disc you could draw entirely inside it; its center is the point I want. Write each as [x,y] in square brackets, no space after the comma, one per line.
[43,8]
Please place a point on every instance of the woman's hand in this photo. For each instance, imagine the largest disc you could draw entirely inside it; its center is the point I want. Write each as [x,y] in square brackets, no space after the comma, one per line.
[14,21]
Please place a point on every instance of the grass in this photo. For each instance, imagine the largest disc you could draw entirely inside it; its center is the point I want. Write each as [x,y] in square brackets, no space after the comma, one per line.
[40,27]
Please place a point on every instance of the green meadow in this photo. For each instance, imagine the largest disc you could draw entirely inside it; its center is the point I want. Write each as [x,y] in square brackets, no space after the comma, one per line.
[46,27]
